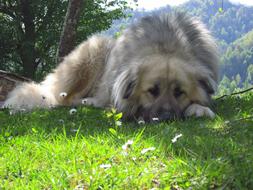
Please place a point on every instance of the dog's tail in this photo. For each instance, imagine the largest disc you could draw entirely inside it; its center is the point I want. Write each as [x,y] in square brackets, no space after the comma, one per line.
[73,79]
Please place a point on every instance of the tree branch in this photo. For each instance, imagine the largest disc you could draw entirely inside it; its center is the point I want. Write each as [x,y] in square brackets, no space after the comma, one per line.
[236,93]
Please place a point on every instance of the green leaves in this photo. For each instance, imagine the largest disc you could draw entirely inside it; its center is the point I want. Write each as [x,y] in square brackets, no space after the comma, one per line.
[118,116]
[113,131]
[113,114]
[48,20]
[115,117]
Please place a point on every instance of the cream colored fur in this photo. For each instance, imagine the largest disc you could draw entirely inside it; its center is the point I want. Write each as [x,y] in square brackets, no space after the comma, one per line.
[163,66]
[77,76]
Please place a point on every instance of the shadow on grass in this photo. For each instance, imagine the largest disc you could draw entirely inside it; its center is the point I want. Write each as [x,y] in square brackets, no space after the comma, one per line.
[92,122]
[197,133]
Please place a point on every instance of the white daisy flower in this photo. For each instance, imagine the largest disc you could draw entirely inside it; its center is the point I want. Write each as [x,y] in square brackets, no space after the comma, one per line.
[145,150]
[176,137]
[127,145]
[72,111]
[105,166]
[118,123]
[84,101]
[63,94]
[227,122]
[155,119]
[141,122]
[61,121]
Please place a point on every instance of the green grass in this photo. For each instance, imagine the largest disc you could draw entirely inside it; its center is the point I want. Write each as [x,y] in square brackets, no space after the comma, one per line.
[56,150]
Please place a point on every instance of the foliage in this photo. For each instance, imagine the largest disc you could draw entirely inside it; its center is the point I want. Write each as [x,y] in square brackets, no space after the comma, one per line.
[48,17]
[57,150]
[238,57]
[227,25]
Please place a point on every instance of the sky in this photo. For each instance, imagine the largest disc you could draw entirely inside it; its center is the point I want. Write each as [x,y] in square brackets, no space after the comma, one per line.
[152,4]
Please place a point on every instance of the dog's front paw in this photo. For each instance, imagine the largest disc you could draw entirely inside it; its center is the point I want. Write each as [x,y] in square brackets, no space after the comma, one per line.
[199,111]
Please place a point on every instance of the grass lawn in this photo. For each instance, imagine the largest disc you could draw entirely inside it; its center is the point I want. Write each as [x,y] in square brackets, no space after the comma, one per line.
[56,150]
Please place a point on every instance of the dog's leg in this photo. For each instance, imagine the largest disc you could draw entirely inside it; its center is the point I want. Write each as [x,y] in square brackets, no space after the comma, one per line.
[80,70]
[199,111]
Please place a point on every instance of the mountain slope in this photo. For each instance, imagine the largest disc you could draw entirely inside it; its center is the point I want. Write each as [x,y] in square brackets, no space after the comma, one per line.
[232,27]
[239,57]
[232,23]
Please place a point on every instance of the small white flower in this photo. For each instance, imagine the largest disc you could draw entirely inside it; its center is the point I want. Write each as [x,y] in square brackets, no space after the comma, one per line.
[155,119]
[51,106]
[118,123]
[63,94]
[73,130]
[72,111]
[176,137]
[141,122]
[127,145]
[23,110]
[80,187]
[145,150]
[84,101]
[61,121]
[105,166]
[227,122]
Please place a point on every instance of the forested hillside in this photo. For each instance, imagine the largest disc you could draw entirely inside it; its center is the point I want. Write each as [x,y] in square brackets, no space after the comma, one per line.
[232,26]
[237,63]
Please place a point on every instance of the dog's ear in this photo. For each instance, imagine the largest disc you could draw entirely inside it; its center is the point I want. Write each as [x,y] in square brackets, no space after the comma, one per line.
[129,89]
[128,84]
[208,84]
[124,85]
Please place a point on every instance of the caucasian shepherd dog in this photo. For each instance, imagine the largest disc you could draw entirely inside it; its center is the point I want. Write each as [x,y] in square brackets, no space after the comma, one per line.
[164,66]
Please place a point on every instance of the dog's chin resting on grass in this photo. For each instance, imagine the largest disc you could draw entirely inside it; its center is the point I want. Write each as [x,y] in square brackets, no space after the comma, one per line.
[164,66]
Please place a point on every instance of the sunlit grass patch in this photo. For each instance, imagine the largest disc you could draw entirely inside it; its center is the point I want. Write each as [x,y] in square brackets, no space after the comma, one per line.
[92,149]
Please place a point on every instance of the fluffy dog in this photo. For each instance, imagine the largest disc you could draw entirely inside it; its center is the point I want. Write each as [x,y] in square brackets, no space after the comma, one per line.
[163,66]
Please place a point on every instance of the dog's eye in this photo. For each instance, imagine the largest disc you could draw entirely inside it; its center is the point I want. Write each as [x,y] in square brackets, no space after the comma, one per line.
[154,91]
[178,92]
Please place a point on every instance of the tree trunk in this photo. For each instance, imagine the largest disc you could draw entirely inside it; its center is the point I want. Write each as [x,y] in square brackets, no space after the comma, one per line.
[68,36]
[27,47]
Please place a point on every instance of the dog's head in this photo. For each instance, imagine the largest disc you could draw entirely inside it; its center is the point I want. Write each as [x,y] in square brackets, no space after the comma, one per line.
[162,87]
